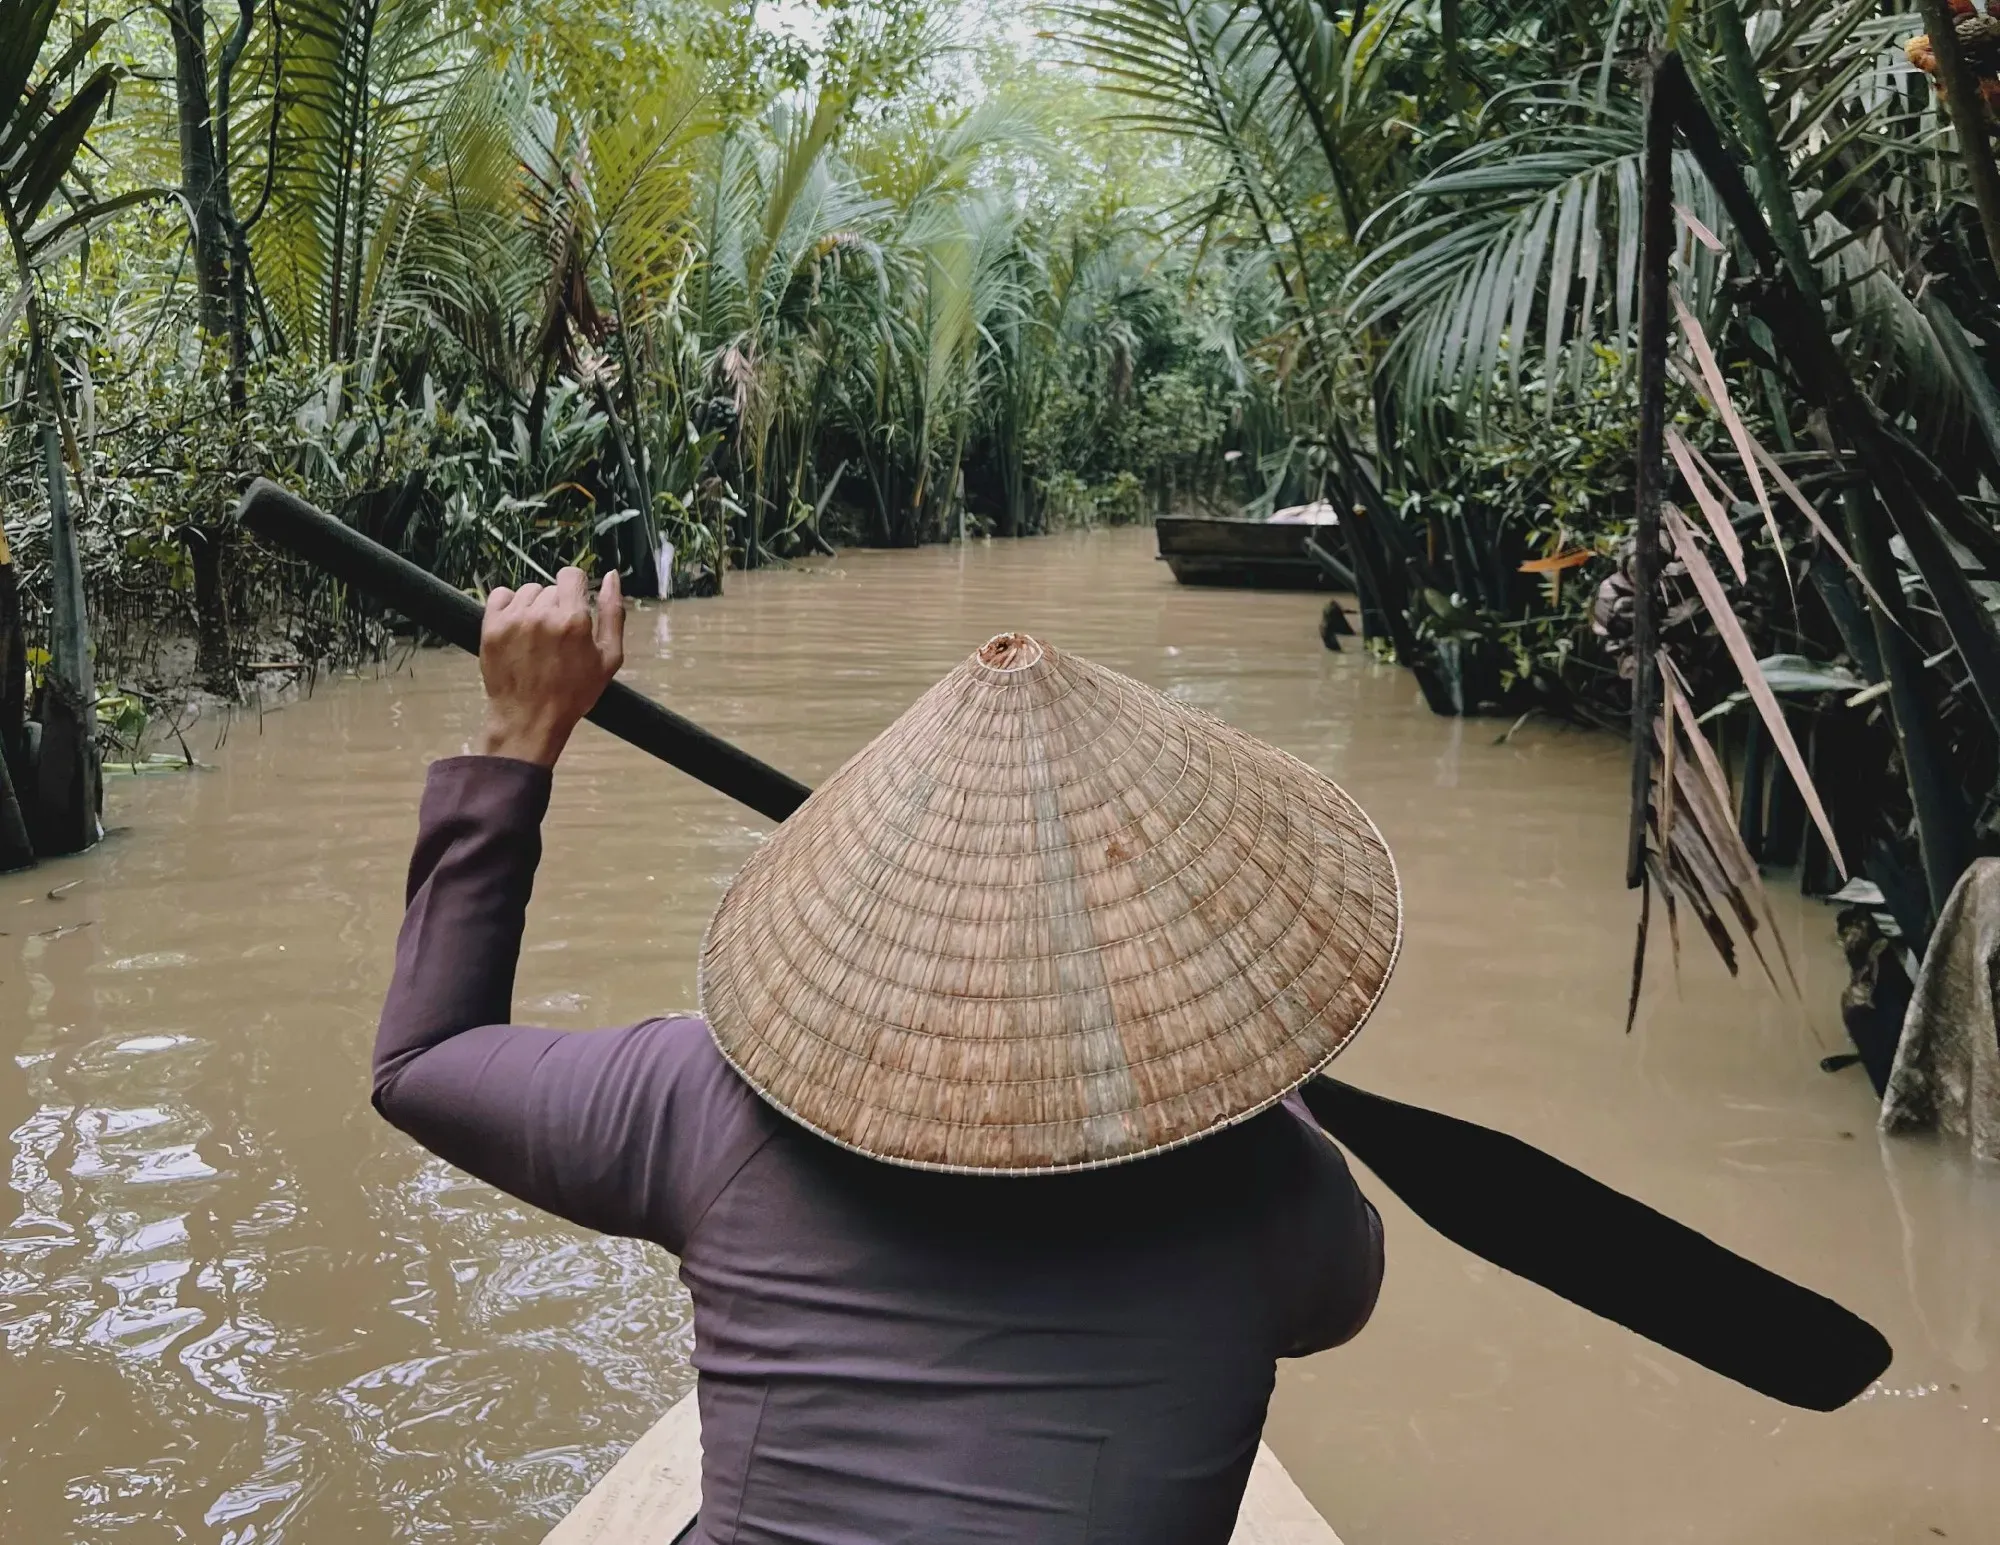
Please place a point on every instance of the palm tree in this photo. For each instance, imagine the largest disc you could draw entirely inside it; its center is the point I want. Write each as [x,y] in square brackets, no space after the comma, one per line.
[362,86]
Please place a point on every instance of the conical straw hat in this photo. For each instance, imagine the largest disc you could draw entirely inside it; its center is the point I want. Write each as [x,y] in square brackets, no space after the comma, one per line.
[1050,919]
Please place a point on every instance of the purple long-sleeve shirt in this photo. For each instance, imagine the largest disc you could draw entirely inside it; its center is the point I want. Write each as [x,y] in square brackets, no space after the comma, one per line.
[886,1356]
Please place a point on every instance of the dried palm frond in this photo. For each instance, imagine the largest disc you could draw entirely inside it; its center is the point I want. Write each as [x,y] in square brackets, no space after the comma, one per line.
[1738,643]
[1739,434]
[1696,853]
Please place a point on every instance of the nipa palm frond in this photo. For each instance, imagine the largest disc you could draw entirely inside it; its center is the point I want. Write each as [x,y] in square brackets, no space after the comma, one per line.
[1521,251]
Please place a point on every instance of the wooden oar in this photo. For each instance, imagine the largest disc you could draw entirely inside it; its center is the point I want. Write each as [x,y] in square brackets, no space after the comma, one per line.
[1496,1196]
[1529,1213]
[285,520]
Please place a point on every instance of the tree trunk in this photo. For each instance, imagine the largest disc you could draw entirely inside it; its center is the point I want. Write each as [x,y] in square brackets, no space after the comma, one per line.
[13,667]
[69,628]
[1785,808]
[17,850]
[222,263]
[1944,825]
[638,552]
[68,789]
[202,175]
[1012,478]
[215,660]
[234,230]
[1656,239]
[1750,811]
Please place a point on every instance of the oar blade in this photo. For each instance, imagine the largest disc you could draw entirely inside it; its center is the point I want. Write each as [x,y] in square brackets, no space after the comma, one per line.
[1535,1216]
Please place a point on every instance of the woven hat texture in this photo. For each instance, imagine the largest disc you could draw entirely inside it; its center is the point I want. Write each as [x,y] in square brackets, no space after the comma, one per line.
[1050,919]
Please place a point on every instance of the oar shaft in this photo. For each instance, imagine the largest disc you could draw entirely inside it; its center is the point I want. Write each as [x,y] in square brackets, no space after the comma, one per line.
[287,521]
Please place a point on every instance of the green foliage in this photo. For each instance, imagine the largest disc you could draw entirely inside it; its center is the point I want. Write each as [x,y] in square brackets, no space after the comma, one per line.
[525,285]
[515,285]
[1528,487]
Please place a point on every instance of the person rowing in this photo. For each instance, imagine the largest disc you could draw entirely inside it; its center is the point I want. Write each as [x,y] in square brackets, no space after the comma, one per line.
[984,1161]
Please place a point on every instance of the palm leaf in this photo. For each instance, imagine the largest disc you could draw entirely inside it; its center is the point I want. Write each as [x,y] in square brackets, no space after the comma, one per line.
[24,27]
[45,160]
[1461,265]
[1726,624]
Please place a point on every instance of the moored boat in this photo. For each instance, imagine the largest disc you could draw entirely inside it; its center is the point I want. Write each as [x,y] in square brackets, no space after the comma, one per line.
[1248,554]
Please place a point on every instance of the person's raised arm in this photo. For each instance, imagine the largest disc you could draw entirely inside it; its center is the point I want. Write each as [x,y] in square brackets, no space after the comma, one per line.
[579,1123]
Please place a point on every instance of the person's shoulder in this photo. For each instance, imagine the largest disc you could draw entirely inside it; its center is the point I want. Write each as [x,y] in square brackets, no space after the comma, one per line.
[712,1120]
[685,1043]
[684,1038]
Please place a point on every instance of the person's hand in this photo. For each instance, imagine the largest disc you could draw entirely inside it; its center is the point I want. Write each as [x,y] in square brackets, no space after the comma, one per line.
[546,663]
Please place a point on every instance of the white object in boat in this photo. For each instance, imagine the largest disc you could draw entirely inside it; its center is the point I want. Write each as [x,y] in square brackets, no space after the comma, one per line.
[1319,513]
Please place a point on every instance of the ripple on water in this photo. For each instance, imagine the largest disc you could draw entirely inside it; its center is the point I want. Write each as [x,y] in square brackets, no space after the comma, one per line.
[139,1045]
[239,1309]
[270,1496]
[156,960]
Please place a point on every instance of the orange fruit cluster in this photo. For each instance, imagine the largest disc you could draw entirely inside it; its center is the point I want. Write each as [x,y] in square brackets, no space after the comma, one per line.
[1978,37]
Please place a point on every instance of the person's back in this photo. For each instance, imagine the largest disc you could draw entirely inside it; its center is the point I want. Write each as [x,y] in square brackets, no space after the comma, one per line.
[885,1354]
[893,1356]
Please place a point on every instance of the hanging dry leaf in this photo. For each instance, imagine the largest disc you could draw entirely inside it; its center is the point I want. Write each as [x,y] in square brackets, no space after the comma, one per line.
[1639,944]
[1664,783]
[1748,876]
[1711,507]
[1731,629]
[1699,231]
[1708,843]
[1697,852]
[1715,476]
[1806,508]
[1718,391]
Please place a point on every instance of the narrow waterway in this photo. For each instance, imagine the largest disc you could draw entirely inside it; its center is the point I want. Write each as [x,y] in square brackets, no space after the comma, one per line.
[238,1307]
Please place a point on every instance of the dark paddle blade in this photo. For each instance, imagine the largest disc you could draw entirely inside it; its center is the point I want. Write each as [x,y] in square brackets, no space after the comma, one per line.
[1523,1210]
[286,520]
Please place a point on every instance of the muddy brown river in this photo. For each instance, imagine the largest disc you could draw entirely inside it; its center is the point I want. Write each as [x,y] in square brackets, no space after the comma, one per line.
[238,1307]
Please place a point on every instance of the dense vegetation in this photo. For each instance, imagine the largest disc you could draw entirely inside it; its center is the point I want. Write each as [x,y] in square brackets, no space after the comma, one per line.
[707,285]
[1541,265]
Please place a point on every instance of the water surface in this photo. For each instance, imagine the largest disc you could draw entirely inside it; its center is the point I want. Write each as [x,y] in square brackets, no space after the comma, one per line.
[238,1307]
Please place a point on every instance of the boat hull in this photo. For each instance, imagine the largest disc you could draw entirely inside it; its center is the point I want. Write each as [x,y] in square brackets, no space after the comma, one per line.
[1243,554]
[651,1496]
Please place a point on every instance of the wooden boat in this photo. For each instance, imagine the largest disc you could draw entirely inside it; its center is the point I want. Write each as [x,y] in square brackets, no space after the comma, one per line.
[1248,554]
[651,1495]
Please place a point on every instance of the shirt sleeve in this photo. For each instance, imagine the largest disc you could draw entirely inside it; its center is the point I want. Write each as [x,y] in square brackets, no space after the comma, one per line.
[1340,1256]
[607,1128]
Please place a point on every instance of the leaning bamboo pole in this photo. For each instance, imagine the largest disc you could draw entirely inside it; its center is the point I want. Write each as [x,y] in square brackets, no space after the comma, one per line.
[1664,88]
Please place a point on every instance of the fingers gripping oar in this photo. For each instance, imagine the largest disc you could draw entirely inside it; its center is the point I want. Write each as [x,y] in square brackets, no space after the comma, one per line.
[1492,1194]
